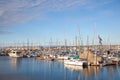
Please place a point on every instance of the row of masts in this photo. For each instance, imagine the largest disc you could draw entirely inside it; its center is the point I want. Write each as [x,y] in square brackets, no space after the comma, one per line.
[58,43]
[77,42]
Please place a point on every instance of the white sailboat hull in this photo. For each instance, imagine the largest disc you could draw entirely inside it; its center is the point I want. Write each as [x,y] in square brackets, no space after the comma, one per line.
[14,55]
[62,57]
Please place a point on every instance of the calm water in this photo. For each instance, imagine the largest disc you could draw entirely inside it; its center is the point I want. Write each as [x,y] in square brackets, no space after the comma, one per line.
[33,69]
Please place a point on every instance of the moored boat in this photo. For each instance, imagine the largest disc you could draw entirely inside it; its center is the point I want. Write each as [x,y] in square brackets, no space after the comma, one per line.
[77,62]
[15,53]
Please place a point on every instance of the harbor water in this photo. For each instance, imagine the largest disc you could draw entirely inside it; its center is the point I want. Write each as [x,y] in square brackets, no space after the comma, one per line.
[34,69]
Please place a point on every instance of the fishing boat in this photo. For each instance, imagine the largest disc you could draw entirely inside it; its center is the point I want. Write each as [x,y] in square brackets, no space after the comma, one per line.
[15,53]
[45,57]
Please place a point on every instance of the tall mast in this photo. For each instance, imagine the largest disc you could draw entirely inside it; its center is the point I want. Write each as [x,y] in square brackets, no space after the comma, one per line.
[93,42]
[88,42]
[28,46]
[65,42]
[79,38]
[76,42]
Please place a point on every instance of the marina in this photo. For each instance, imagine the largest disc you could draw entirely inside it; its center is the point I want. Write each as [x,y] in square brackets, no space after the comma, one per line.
[70,55]
[59,40]
[58,64]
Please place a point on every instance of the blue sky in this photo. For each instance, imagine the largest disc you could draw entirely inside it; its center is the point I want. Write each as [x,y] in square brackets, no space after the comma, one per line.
[43,20]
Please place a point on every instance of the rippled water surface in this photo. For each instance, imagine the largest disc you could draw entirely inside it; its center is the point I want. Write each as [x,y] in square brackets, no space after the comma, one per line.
[34,69]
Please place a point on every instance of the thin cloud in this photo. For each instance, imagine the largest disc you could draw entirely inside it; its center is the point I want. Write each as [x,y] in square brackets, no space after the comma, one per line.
[14,12]
[5,32]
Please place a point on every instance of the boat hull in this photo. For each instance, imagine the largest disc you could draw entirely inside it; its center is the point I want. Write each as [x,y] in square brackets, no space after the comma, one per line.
[75,62]
[14,55]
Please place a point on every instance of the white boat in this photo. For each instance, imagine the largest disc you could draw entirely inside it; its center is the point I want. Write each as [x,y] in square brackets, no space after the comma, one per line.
[76,62]
[62,57]
[73,67]
[15,53]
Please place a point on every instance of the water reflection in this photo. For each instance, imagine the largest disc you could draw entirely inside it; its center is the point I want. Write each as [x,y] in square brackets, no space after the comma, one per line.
[113,72]
[84,72]
[92,71]
[33,69]
[15,62]
[72,67]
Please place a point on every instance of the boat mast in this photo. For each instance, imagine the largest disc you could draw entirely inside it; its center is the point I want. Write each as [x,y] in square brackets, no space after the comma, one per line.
[28,46]
[87,47]
[76,42]
[65,43]
[79,43]
[93,42]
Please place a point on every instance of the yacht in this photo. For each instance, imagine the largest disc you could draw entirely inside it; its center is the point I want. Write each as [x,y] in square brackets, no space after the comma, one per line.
[77,62]
[15,53]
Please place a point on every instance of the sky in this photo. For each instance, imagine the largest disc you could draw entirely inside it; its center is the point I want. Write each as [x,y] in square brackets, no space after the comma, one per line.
[45,21]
